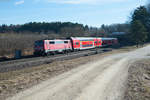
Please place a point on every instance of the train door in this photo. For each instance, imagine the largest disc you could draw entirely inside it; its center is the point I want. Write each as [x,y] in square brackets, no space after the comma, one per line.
[81,45]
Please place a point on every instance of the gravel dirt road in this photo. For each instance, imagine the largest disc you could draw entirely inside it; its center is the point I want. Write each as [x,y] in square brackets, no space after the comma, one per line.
[104,79]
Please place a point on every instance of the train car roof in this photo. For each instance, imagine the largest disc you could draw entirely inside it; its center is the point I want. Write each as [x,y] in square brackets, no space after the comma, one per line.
[88,38]
[78,38]
[108,38]
[83,38]
[52,40]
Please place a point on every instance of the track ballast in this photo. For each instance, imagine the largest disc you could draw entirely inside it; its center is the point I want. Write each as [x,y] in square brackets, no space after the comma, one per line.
[35,61]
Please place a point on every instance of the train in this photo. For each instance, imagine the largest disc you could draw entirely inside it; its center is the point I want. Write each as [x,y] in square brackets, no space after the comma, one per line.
[72,44]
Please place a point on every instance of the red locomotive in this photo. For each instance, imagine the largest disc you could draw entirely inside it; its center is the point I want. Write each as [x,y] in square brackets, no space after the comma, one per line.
[46,47]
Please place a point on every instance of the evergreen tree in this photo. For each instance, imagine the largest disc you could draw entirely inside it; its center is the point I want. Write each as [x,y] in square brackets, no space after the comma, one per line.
[142,14]
[138,32]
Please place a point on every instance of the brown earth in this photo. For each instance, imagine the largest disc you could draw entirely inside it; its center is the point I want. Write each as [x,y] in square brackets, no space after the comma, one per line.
[139,81]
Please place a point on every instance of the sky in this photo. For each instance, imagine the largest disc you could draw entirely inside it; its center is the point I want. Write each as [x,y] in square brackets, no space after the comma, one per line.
[88,12]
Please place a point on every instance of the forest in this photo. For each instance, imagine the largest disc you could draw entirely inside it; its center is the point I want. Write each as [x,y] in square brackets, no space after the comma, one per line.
[64,29]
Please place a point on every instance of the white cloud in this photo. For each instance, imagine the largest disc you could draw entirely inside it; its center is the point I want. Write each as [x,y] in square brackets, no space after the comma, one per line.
[19,2]
[85,1]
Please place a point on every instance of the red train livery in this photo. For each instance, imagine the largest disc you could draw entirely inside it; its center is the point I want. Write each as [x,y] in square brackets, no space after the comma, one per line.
[46,47]
[43,47]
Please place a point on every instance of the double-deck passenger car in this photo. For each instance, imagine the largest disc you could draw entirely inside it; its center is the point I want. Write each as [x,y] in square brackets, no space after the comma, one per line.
[81,43]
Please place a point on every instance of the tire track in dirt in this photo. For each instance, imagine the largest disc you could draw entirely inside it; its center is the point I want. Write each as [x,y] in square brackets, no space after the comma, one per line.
[102,88]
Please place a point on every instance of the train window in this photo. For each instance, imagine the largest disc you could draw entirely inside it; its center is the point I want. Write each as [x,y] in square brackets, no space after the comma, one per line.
[105,42]
[59,42]
[95,42]
[51,42]
[77,43]
[65,41]
[39,43]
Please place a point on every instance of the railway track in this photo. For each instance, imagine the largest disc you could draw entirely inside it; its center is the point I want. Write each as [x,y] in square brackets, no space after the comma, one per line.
[34,58]
[35,61]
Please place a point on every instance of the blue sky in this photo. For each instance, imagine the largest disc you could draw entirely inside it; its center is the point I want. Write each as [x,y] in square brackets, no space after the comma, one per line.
[87,12]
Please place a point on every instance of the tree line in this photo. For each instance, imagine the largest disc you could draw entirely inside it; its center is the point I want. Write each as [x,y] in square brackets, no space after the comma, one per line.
[40,27]
[65,29]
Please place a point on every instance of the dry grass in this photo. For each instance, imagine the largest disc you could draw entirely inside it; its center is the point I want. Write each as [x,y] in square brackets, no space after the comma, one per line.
[139,81]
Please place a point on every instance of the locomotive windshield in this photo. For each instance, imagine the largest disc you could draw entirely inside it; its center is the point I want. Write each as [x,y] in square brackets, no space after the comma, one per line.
[39,43]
